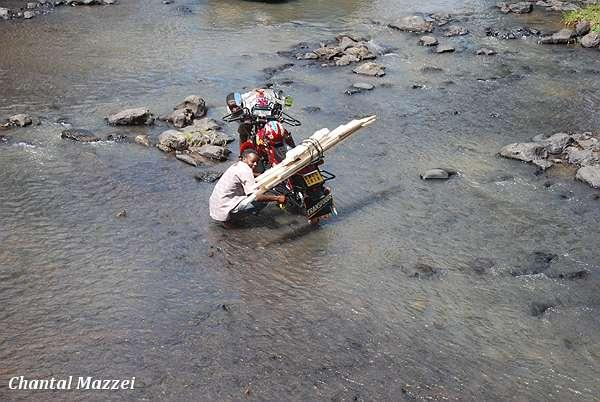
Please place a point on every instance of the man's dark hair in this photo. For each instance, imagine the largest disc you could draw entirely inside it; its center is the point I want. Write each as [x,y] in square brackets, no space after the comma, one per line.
[248,152]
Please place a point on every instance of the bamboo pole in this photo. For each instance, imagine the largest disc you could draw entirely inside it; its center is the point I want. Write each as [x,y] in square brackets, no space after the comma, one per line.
[305,153]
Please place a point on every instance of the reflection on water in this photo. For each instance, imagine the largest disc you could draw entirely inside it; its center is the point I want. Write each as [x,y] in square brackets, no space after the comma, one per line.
[408,293]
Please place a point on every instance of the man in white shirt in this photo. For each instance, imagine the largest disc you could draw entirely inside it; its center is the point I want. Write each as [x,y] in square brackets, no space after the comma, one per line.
[236,183]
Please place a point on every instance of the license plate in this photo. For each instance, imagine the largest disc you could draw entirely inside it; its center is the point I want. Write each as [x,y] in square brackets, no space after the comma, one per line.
[313,178]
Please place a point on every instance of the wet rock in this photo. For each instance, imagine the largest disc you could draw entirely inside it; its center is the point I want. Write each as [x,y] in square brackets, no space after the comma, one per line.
[198,137]
[4,139]
[517,8]
[440,19]
[116,137]
[142,140]
[537,262]
[132,117]
[485,52]
[527,151]
[578,156]
[444,48]
[307,56]
[363,85]
[195,104]
[371,69]
[537,309]
[515,33]
[171,140]
[5,13]
[28,15]
[414,23]
[591,40]
[482,265]
[180,118]
[360,52]
[208,176]
[456,30]
[583,28]
[212,152]
[191,158]
[436,174]
[556,143]
[426,271]
[428,40]
[78,134]
[589,175]
[122,214]
[311,109]
[328,53]
[431,69]
[564,36]
[20,120]
[206,124]
[345,42]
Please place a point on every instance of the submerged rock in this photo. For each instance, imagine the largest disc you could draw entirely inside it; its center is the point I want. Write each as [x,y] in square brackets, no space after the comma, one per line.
[414,23]
[536,263]
[444,48]
[437,174]
[142,140]
[485,51]
[456,30]
[20,120]
[564,36]
[78,134]
[208,176]
[132,117]
[428,40]
[370,69]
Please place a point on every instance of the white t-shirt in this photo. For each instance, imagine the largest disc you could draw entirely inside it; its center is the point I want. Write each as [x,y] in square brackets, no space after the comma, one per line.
[236,183]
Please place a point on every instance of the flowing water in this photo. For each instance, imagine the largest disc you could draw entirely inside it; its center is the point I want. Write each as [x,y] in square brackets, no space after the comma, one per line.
[407,294]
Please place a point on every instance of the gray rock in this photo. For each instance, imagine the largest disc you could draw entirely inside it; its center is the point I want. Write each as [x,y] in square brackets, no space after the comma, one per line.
[77,134]
[142,140]
[181,117]
[206,124]
[589,175]
[444,48]
[428,40]
[517,8]
[20,120]
[363,86]
[32,6]
[578,156]
[212,152]
[307,56]
[525,151]
[4,139]
[583,28]
[414,23]
[345,42]
[132,117]
[591,40]
[171,140]
[192,158]
[194,104]
[208,176]
[435,174]
[328,53]
[563,36]
[370,69]
[456,30]
[556,144]
[195,137]
[28,14]
[360,52]
[346,60]
[4,13]
[485,51]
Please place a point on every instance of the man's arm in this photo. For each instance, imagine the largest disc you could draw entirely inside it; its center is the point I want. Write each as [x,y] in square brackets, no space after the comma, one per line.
[280,199]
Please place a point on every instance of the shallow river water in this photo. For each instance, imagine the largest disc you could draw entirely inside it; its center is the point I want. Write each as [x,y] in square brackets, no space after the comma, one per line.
[406,295]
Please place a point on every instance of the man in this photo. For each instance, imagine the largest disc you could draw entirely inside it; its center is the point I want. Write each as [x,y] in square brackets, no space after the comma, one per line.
[232,188]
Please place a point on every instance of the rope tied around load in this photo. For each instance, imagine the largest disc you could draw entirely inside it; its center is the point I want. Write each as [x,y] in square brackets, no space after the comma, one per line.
[314,148]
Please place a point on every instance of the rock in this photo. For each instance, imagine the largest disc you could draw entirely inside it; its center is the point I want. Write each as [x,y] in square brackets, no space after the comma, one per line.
[4,13]
[20,120]
[537,262]
[360,52]
[28,14]
[208,176]
[212,152]
[556,143]
[142,140]
[415,23]
[583,28]
[371,69]
[526,151]
[132,117]
[4,139]
[591,40]
[121,214]
[482,265]
[441,18]
[195,105]
[426,271]
[345,42]
[517,8]
[428,40]
[328,53]
[514,33]
[206,124]
[196,138]
[192,158]
[444,48]
[171,140]
[363,86]
[181,117]
[346,60]
[307,56]
[589,175]
[485,51]
[456,30]
[563,36]
[32,6]
[311,109]
[78,134]
[538,309]
[578,156]
[436,174]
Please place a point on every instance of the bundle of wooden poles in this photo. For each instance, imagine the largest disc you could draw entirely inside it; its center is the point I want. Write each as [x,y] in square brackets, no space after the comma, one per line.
[307,152]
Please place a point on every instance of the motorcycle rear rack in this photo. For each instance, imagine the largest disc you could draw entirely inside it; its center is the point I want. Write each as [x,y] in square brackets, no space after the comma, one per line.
[327,175]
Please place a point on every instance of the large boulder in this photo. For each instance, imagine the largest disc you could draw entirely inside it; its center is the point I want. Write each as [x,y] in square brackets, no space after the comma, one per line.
[206,124]
[181,117]
[195,104]
[583,28]
[196,137]
[525,151]
[591,40]
[78,134]
[590,175]
[414,23]
[370,69]
[172,140]
[132,117]
[556,143]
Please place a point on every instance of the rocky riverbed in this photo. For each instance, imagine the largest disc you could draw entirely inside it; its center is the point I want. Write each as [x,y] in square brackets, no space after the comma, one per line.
[481,284]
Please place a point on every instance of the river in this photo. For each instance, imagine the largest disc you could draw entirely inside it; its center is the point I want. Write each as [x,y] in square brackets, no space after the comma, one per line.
[406,295]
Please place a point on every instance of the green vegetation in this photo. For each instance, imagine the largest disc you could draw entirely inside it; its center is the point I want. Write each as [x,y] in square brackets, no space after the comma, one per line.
[589,13]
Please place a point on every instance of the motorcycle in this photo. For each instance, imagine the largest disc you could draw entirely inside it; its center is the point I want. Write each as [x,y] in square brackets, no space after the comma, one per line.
[260,114]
